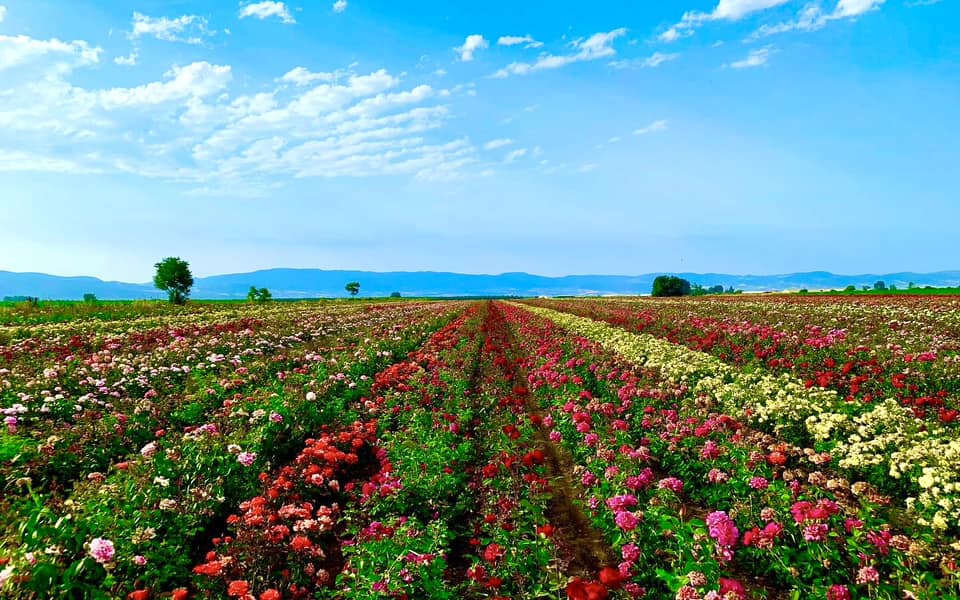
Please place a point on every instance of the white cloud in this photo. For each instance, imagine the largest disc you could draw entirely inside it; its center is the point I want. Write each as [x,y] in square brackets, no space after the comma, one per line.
[650,62]
[586,168]
[128,61]
[654,127]
[499,143]
[812,17]
[16,50]
[756,58]
[514,155]
[725,10]
[515,40]
[674,33]
[267,9]
[440,72]
[470,45]
[734,10]
[188,29]
[339,6]
[3,12]
[187,126]
[195,80]
[598,45]
[15,160]
[303,76]
[854,8]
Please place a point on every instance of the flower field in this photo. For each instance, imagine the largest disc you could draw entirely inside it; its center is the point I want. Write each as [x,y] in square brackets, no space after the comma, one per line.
[584,449]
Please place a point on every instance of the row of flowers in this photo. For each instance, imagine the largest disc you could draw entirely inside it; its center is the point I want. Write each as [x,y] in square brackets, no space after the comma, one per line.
[90,408]
[460,507]
[911,461]
[699,504]
[907,349]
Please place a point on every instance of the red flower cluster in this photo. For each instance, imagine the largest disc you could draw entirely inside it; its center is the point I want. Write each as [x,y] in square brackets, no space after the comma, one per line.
[286,526]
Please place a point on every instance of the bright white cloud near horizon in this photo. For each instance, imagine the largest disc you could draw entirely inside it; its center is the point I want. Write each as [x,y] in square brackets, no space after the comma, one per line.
[739,136]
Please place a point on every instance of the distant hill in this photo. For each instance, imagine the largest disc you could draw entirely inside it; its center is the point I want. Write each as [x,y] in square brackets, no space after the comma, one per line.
[313,283]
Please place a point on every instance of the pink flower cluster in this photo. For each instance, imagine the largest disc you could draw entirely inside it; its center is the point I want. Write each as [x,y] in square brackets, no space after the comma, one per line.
[671,483]
[724,531]
[102,550]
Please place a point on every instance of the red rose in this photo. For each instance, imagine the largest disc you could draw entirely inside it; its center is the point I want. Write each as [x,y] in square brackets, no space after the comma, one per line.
[238,588]
[611,578]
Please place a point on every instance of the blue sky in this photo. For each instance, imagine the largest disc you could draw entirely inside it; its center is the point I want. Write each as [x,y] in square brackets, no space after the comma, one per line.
[738,136]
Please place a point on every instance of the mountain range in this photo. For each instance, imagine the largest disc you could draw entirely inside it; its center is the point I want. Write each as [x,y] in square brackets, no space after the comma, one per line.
[316,283]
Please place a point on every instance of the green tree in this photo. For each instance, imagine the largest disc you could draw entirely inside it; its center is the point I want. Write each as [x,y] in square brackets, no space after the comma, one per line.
[353,287]
[668,285]
[259,295]
[850,288]
[880,286]
[173,276]
[394,294]
[90,298]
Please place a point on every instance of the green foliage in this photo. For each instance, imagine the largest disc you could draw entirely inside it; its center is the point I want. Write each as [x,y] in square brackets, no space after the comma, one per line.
[259,295]
[394,294]
[353,288]
[699,290]
[668,285]
[879,286]
[90,298]
[173,276]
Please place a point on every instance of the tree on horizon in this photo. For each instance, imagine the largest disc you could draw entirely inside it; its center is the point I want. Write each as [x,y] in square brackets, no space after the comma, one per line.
[173,276]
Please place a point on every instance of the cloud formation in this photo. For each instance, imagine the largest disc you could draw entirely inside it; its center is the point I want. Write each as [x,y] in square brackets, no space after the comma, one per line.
[269,8]
[650,62]
[187,29]
[515,40]
[812,17]
[654,127]
[756,58]
[498,143]
[598,45]
[725,10]
[470,45]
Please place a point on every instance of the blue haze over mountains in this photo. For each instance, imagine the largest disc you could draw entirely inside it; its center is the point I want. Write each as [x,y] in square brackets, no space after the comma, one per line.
[314,283]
